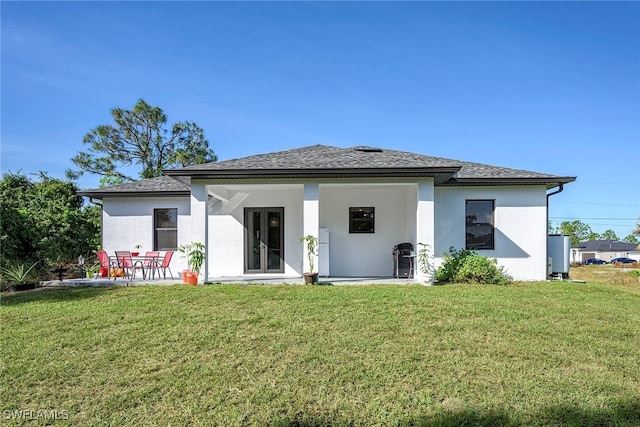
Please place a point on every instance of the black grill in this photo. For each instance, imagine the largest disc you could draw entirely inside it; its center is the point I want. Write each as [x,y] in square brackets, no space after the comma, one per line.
[402,261]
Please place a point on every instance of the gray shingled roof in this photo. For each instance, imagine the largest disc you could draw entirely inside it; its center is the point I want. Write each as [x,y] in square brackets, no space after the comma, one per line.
[606,246]
[321,161]
[165,185]
[327,157]
[322,157]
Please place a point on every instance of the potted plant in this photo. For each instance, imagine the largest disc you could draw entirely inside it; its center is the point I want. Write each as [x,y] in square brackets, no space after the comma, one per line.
[184,251]
[194,253]
[137,250]
[310,277]
[92,270]
[424,262]
[18,277]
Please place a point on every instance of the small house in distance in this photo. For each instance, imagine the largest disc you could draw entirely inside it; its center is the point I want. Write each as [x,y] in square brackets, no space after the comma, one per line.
[605,250]
[250,213]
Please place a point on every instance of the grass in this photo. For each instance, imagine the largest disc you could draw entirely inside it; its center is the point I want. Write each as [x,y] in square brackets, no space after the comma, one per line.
[618,277]
[526,354]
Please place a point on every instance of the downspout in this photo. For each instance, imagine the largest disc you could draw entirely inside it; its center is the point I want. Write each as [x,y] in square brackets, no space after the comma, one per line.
[559,190]
[553,193]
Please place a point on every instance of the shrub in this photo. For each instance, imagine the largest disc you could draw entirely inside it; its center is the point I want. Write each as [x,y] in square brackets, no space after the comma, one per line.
[480,269]
[466,266]
[447,272]
[44,220]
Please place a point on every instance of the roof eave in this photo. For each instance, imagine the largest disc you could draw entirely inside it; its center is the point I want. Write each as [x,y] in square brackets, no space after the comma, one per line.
[440,173]
[550,182]
[124,194]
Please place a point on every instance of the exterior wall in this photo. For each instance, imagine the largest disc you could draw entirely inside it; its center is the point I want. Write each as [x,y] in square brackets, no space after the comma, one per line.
[350,254]
[127,222]
[425,223]
[367,254]
[226,230]
[520,225]
[520,241]
[199,219]
[311,221]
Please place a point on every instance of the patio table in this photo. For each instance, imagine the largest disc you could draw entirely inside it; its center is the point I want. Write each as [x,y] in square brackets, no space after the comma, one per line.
[145,263]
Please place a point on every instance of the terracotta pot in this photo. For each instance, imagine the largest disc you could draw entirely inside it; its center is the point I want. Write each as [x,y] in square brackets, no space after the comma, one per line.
[104,271]
[192,278]
[184,276]
[135,253]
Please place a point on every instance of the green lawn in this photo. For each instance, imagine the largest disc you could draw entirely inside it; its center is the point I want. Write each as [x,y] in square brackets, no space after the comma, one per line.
[524,354]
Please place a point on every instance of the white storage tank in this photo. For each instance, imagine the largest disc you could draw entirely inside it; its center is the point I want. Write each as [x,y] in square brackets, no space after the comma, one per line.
[559,250]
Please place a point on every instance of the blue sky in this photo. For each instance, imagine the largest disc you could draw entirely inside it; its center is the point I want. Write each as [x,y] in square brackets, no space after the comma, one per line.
[543,86]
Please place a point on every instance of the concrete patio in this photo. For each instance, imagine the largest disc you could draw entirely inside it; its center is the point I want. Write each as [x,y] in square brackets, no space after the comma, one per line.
[257,280]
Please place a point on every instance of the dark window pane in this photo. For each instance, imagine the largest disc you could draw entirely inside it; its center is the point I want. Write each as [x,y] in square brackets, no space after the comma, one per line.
[254,241]
[361,220]
[479,224]
[263,239]
[274,224]
[166,240]
[165,229]
[166,218]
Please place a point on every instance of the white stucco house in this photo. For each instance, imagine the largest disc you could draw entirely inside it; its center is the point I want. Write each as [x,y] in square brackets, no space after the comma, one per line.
[605,250]
[251,212]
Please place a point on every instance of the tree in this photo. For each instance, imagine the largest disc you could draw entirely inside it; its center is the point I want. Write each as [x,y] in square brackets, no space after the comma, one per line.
[45,220]
[110,179]
[577,230]
[593,236]
[140,137]
[631,238]
[609,235]
[637,229]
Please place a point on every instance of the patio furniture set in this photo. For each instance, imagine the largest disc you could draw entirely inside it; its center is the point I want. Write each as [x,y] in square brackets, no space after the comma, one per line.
[124,264]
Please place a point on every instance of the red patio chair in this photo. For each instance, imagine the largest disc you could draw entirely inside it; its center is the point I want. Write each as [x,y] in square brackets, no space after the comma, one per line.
[105,262]
[165,264]
[126,264]
[150,263]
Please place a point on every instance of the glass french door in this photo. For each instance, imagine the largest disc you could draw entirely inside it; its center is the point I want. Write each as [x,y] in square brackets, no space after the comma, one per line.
[264,240]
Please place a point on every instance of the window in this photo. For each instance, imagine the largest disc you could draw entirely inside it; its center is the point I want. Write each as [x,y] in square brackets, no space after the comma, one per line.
[165,223]
[361,220]
[479,227]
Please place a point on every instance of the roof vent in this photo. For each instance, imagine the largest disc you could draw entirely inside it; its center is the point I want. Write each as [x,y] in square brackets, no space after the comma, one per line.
[366,149]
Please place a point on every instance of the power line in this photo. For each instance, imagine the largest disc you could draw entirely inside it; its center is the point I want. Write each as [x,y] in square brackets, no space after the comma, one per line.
[598,224]
[604,219]
[609,183]
[599,204]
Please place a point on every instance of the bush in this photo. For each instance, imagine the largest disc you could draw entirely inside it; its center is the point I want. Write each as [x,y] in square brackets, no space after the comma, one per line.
[447,272]
[45,221]
[466,266]
[480,269]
